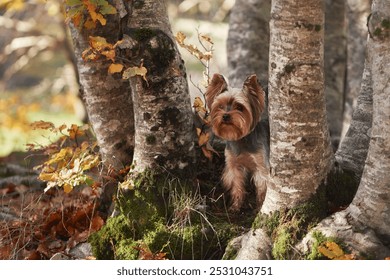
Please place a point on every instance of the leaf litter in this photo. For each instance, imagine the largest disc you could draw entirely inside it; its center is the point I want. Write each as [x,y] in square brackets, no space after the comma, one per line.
[36,225]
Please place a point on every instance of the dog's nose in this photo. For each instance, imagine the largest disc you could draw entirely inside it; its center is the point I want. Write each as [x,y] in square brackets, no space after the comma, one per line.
[226,117]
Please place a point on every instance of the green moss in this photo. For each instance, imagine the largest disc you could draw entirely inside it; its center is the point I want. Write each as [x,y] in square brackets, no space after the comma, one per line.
[104,241]
[319,239]
[287,226]
[163,213]
[267,222]
[283,243]
[317,28]
[126,249]
[144,205]
[230,252]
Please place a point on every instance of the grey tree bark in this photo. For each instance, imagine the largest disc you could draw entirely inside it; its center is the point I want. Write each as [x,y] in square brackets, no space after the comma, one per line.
[106,97]
[335,66]
[248,41]
[363,225]
[162,108]
[352,153]
[301,155]
[357,12]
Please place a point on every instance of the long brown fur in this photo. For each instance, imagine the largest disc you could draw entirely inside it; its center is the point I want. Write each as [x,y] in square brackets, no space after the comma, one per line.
[235,116]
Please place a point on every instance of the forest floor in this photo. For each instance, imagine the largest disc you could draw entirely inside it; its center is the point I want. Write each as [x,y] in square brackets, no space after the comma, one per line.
[38,225]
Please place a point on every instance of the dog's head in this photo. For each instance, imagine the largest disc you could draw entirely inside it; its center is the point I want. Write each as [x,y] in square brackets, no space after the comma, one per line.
[234,112]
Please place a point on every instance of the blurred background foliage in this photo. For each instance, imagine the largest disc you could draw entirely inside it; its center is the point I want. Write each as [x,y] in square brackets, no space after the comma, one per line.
[38,77]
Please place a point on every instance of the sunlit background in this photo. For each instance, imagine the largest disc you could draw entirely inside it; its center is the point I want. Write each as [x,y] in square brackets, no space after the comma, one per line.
[37,74]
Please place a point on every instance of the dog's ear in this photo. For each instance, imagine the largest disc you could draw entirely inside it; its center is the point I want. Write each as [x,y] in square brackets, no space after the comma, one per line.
[255,94]
[217,86]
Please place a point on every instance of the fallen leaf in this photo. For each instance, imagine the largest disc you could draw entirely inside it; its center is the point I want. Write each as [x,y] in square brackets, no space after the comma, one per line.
[331,250]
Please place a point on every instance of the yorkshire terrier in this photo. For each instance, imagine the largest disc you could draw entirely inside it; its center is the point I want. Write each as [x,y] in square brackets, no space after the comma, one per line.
[235,116]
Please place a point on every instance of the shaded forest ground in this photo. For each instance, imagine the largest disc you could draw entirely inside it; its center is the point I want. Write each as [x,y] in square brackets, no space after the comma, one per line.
[35,224]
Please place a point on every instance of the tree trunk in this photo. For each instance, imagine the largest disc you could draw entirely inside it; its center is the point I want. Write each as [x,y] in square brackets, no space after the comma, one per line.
[107,97]
[162,109]
[301,154]
[248,41]
[356,15]
[363,225]
[371,205]
[352,152]
[335,62]
[108,103]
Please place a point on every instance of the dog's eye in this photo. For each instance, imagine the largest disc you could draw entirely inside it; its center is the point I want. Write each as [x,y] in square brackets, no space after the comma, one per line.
[239,107]
[220,107]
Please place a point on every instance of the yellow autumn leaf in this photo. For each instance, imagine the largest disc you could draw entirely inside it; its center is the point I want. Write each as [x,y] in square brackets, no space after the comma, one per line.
[10,5]
[180,37]
[331,250]
[99,43]
[135,71]
[97,17]
[42,125]
[67,188]
[206,38]
[61,127]
[109,53]
[115,68]
[61,157]
[90,161]
[89,24]
[198,104]
[47,176]
[75,131]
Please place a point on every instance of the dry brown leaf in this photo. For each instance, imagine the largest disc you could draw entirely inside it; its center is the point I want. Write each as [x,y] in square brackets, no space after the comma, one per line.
[42,125]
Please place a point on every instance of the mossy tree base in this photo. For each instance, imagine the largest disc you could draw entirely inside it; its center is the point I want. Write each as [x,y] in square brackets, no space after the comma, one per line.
[287,227]
[164,215]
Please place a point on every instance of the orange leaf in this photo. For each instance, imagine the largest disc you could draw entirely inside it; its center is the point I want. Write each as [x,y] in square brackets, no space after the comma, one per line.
[42,125]
[75,131]
[331,250]
[115,68]
[99,43]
